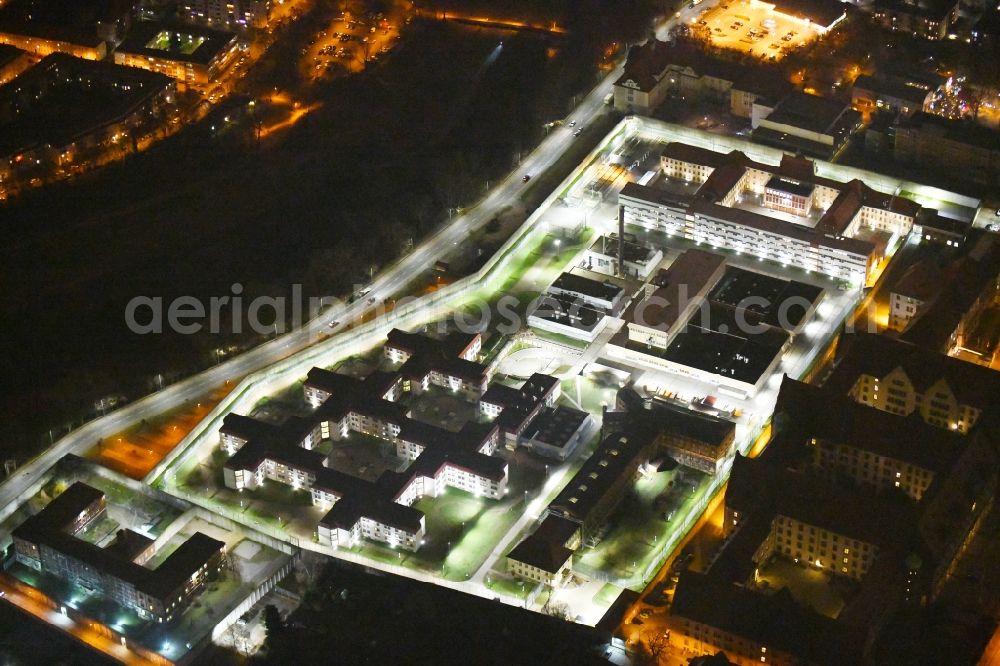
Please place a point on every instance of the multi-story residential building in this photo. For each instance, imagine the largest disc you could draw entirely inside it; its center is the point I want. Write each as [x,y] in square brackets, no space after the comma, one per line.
[226,14]
[901,97]
[448,363]
[320,384]
[710,615]
[729,210]
[914,291]
[904,379]
[849,490]
[965,324]
[845,439]
[64,109]
[47,542]
[962,147]
[695,440]
[546,555]
[930,19]
[88,29]
[515,408]
[192,55]
[755,94]
[692,438]
[343,404]
[357,508]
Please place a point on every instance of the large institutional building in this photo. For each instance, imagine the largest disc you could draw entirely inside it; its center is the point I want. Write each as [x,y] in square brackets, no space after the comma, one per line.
[904,379]
[190,54]
[784,212]
[48,542]
[858,492]
[718,324]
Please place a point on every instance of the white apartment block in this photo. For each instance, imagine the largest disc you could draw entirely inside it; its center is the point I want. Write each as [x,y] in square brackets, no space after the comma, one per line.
[820,238]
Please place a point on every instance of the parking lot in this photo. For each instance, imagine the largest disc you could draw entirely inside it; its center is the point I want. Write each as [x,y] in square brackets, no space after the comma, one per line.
[349,43]
[753,28]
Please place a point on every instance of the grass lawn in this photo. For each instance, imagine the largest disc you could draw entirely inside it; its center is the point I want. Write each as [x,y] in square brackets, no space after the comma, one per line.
[607,594]
[808,585]
[279,493]
[511,587]
[639,531]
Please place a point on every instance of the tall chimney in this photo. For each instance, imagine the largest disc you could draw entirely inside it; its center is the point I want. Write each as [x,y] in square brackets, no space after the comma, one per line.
[621,240]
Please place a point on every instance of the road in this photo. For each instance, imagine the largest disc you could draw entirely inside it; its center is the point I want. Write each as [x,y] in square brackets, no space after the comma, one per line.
[389,283]
[93,635]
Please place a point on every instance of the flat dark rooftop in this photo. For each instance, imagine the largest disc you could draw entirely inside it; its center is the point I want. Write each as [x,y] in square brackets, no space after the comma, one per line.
[555,425]
[9,54]
[792,143]
[959,131]
[892,87]
[632,251]
[932,9]
[616,453]
[790,186]
[716,340]
[731,356]
[144,40]
[72,21]
[568,312]
[810,112]
[691,424]
[582,285]
[767,297]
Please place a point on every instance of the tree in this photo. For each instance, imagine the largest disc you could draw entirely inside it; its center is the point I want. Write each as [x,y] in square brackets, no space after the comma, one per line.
[659,642]
[273,624]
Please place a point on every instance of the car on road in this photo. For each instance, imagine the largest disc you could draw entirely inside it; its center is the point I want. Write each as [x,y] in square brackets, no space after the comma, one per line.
[578,132]
[525,178]
[572,123]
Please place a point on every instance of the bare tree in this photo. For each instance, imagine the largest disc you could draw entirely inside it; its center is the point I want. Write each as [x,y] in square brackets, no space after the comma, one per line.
[659,643]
